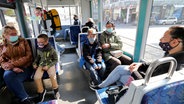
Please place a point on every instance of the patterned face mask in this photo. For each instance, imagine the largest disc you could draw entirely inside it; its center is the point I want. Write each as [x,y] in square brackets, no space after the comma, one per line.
[165,46]
[41,45]
[91,40]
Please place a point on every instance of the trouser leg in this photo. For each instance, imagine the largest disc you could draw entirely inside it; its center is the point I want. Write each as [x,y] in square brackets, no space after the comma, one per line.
[52,74]
[38,79]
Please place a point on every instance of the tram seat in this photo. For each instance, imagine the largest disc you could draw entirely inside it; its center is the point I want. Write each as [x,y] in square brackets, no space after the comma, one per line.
[63,32]
[74,32]
[33,45]
[159,89]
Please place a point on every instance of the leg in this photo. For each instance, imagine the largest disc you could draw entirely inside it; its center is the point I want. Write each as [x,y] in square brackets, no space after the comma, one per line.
[115,75]
[38,79]
[125,60]
[52,74]
[93,73]
[14,82]
[102,71]
[112,64]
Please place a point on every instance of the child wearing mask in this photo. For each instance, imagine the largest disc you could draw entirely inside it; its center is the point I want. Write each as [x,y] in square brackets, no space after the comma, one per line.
[92,54]
[45,61]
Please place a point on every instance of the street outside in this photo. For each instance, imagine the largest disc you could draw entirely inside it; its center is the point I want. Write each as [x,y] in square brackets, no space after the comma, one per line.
[152,50]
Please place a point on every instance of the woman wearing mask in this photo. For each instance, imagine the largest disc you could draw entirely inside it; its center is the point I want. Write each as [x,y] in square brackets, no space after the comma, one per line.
[93,57]
[76,20]
[15,59]
[111,42]
[172,43]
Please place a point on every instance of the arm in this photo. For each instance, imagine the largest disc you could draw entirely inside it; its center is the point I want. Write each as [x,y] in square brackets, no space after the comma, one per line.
[54,58]
[86,54]
[37,58]
[99,54]
[117,44]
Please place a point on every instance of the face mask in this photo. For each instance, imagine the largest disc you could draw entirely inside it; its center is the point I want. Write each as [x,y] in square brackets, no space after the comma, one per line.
[109,30]
[13,38]
[41,45]
[91,40]
[165,46]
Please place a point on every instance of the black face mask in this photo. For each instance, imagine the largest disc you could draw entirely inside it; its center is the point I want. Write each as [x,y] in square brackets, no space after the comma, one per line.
[165,46]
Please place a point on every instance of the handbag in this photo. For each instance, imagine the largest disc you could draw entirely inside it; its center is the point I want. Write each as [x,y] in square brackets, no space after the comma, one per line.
[161,89]
[116,53]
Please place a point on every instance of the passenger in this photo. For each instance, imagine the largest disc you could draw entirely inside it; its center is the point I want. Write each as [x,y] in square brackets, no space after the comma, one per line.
[111,42]
[91,24]
[15,59]
[46,60]
[76,20]
[93,57]
[172,43]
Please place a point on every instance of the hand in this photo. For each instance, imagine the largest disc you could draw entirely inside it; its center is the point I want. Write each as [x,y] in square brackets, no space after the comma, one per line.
[1,59]
[7,66]
[99,66]
[95,66]
[35,66]
[45,68]
[17,70]
[106,45]
[134,66]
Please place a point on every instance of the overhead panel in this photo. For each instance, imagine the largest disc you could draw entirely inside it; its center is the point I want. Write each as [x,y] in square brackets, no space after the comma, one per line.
[60,2]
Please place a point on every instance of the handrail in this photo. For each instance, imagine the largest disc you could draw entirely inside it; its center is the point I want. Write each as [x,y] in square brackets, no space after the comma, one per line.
[158,62]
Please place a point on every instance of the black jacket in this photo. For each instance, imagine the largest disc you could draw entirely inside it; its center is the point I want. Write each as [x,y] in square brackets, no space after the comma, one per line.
[92,49]
[140,73]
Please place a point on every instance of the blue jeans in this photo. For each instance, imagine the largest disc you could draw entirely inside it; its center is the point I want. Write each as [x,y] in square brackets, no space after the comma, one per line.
[96,75]
[119,75]
[14,82]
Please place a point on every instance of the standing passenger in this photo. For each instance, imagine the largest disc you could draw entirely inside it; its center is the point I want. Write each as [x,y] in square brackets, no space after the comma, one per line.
[15,59]
[76,20]
[111,42]
[45,61]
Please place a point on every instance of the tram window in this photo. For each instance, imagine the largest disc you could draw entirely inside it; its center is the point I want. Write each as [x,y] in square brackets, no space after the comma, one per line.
[10,18]
[124,13]
[164,15]
[66,14]
[0,28]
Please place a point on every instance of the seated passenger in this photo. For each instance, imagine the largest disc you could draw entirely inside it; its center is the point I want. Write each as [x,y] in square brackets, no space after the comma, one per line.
[111,42]
[93,57]
[46,60]
[90,24]
[15,59]
[172,43]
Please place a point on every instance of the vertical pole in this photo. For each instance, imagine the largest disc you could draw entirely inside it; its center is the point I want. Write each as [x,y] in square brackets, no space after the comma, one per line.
[100,9]
[21,18]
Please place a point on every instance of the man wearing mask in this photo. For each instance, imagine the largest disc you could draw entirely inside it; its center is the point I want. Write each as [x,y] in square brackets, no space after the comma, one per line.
[76,20]
[111,42]
[172,43]
[93,58]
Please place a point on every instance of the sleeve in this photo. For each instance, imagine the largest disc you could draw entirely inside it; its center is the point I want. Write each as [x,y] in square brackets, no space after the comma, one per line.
[117,43]
[54,58]
[86,54]
[102,38]
[99,54]
[22,61]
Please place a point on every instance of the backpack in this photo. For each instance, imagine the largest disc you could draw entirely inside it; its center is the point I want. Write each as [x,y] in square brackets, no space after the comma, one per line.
[55,19]
[115,93]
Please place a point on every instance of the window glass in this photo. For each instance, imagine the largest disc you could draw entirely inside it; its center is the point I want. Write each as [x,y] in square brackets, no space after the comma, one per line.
[165,13]
[124,13]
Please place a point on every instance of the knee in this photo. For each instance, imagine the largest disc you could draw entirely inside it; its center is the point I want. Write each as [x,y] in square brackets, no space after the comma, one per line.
[36,77]
[117,62]
[8,75]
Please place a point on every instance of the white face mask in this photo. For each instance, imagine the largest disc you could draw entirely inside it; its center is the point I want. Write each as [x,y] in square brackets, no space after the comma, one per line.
[91,40]
[109,30]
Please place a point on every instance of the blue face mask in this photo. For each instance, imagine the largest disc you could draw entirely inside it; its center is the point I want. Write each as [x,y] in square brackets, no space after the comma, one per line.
[109,30]
[13,38]
[165,46]
[91,40]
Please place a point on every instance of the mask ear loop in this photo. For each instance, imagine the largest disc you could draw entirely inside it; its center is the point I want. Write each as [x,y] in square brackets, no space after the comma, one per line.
[176,45]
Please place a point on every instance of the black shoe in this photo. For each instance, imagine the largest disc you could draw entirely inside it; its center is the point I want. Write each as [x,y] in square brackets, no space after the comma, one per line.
[56,93]
[42,95]
[27,101]
[92,86]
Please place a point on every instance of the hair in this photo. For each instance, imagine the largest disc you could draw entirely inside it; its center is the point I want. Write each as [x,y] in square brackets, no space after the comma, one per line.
[44,36]
[177,32]
[92,30]
[110,22]
[38,8]
[5,30]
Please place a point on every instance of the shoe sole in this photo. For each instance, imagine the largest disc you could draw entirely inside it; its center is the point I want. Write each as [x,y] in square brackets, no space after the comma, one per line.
[43,95]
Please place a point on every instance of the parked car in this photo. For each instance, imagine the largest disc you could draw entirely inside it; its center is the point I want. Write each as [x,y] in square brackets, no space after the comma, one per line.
[181,21]
[168,20]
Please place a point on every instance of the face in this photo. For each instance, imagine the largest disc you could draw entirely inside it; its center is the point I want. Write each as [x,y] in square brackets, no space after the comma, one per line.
[37,12]
[109,26]
[10,33]
[41,42]
[91,35]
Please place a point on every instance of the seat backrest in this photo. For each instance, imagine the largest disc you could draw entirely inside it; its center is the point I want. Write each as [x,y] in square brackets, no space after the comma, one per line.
[62,32]
[74,31]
